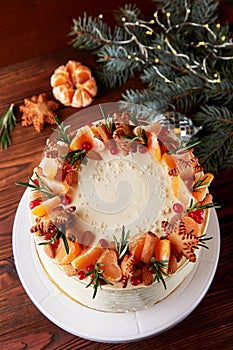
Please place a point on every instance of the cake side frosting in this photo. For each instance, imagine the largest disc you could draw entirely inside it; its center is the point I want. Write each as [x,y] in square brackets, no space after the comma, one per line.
[119,211]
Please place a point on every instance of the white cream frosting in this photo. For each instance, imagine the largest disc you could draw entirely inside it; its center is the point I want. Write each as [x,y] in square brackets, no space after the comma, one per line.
[134,191]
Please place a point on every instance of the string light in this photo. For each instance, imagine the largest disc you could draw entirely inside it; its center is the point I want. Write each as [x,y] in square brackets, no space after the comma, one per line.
[156,60]
[100,16]
[223,38]
[123,19]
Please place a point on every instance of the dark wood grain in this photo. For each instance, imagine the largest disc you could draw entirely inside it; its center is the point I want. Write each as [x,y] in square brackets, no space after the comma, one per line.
[23,74]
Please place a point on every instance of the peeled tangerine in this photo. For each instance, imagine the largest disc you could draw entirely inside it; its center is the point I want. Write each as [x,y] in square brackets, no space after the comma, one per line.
[62,257]
[73,84]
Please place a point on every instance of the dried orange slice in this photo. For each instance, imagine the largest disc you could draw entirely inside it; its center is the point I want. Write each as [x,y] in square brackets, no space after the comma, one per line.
[46,206]
[87,257]
[200,193]
[112,271]
[192,226]
[61,257]
[83,135]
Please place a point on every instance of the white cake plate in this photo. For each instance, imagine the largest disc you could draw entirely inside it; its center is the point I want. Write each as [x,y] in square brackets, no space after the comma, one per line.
[110,327]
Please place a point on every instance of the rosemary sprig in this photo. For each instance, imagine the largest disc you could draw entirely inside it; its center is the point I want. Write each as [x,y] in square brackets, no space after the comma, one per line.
[159,266]
[201,183]
[55,237]
[37,186]
[62,131]
[197,206]
[107,119]
[7,124]
[76,156]
[183,146]
[202,242]
[123,245]
[97,277]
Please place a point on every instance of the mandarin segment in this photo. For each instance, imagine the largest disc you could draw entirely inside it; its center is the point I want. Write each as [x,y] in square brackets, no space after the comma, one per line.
[87,257]
[112,271]
[84,135]
[192,226]
[200,193]
[61,257]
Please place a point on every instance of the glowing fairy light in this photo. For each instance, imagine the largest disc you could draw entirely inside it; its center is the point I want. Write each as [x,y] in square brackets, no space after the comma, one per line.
[123,19]
[100,16]
[223,38]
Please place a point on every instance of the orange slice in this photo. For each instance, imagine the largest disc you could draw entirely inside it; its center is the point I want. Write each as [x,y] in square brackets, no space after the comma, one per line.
[200,193]
[192,226]
[112,271]
[136,248]
[61,257]
[87,257]
[46,206]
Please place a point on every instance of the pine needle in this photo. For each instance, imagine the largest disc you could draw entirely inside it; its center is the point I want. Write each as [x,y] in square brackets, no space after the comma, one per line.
[7,124]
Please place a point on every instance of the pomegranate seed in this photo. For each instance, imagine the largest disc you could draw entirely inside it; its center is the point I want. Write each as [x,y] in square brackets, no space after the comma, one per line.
[142,149]
[86,145]
[199,212]
[103,242]
[55,244]
[34,203]
[92,275]
[36,182]
[199,219]
[114,150]
[191,214]
[65,200]
[90,267]
[81,275]
[48,236]
[178,208]
[135,280]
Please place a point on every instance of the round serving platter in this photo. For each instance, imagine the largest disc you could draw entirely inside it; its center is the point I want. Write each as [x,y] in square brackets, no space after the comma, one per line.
[110,327]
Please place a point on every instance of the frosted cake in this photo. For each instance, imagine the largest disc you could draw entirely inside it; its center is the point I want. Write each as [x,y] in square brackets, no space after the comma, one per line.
[118,212]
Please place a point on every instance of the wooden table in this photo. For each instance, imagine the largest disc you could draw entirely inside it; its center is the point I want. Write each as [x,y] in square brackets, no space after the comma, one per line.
[22,325]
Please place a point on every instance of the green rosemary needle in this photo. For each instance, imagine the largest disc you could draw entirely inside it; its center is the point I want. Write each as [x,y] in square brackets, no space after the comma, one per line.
[159,266]
[182,147]
[97,277]
[123,245]
[62,131]
[38,185]
[7,124]
[197,206]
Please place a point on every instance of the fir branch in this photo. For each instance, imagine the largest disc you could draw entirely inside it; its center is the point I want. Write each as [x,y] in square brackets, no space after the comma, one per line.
[7,124]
